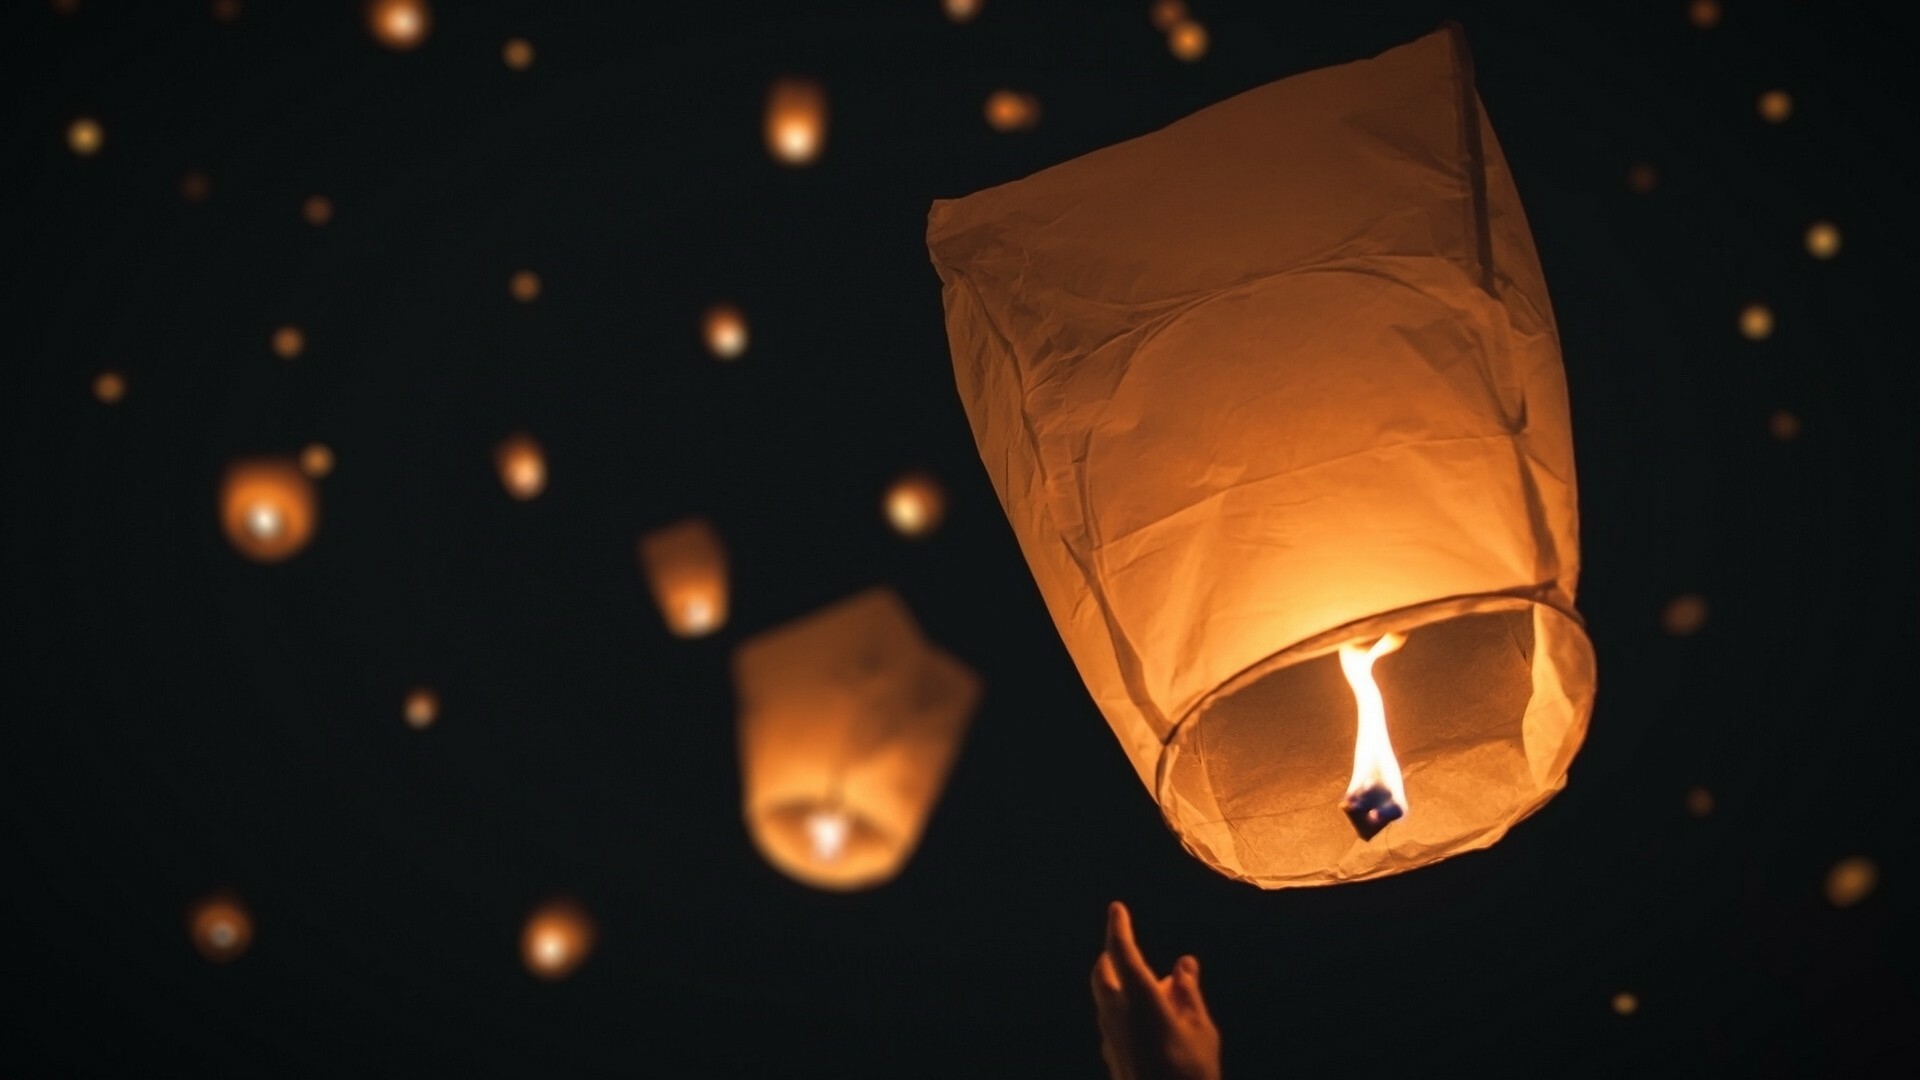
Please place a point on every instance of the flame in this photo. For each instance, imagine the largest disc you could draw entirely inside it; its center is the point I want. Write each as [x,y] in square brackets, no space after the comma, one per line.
[1374,765]
[828,830]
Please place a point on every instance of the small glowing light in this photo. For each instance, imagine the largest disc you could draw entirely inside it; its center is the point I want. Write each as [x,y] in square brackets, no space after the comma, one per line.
[220,928]
[697,616]
[318,210]
[1625,1004]
[726,331]
[685,565]
[316,460]
[109,387]
[399,24]
[1851,880]
[226,10]
[557,938]
[66,7]
[1756,322]
[961,11]
[517,54]
[915,504]
[827,830]
[1784,425]
[522,465]
[1188,40]
[1823,240]
[524,286]
[1376,795]
[84,136]
[1166,14]
[1684,615]
[289,342]
[796,128]
[1775,106]
[266,522]
[1010,110]
[268,508]
[421,709]
[195,186]
[1704,14]
[1699,802]
[1642,179]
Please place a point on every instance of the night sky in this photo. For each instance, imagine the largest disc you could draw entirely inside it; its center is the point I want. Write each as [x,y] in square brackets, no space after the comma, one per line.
[182,721]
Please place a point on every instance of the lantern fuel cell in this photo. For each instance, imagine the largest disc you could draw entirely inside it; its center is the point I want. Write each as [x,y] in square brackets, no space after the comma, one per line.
[1274,382]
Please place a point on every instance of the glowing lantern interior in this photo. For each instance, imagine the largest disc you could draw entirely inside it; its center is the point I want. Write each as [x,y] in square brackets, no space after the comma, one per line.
[686,568]
[268,508]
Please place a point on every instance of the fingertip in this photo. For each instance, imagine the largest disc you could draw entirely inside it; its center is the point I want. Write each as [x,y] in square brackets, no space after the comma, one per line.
[1189,966]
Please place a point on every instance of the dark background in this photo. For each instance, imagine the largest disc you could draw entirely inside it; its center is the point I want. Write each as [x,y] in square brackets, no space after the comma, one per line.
[181,720]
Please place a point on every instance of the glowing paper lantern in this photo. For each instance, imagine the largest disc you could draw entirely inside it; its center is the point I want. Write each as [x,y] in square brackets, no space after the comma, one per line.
[517,54]
[915,504]
[725,330]
[557,939]
[524,286]
[1756,322]
[1269,385]
[1187,40]
[522,465]
[268,508]
[220,928]
[317,210]
[686,568]
[422,708]
[316,460]
[1625,1003]
[1011,110]
[796,121]
[400,25]
[1165,14]
[289,342]
[1775,106]
[109,387]
[1851,880]
[85,136]
[849,720]
[961,11]
[1823,240]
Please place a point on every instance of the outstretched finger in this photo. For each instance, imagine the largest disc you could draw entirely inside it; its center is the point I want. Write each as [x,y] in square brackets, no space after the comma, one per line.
[1186,986]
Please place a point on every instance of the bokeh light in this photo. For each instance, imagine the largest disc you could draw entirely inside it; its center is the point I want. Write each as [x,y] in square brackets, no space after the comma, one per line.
[399,25]
[1756,322]
[1775,106]
[109,387]
[796,121]
[1704,14]
[195,186]
[1823,240]
[1011,110]
[85,136]
[226,10]
[421,708]
[915,504]
[1625,1004]
[725,331]
[961,11]
[1187,40]
[557,939]
[524,286]
[316,460]
[1784,425]
[317,210]
[1642,178]
[220,927]
[289,342]
[1684,615]
[1851,880]
[1166,14]
[522,466]
[1699,802]
[517,54]
[268,508]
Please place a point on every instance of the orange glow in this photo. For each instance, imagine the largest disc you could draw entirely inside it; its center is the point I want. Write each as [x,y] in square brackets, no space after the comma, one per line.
[1823,240]
[522,465]
[1756,322]
[524,286]
[1775,106]
[109,387]
[517,54]
[318,210]
[316,460]
[827,831]
[961,11]
[226,10]
[726,331]
[1704,14]
[1699,802]
[1188,40]
[84,136]
[1684,615]
[1010,110]
[1784,425]
[1642,179]
[1625,1004]
[195,186]
[686,569]
[400,25]
[220,927]
[796,121]
[422,708]
[289,342]
[915,504]
[1373,760]
[268,508]
[1166,14]
[557,939]
[1851,880]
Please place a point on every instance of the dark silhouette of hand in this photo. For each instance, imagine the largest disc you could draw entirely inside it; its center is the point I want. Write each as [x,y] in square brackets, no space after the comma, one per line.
[1151,1027]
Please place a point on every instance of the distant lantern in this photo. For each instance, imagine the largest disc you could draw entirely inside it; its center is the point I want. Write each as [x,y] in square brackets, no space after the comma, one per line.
[1626,1004]
[400,25]
[85,136]
[796,120]
[1756,322]
[1642,179]
[1851,880]
[1166,14]
[1011,110]
[1784,425]
[316,460]
[317,210]
[1823,240]
[195,186]
[421,709]
[288,342]
[226,10]
[557,939]
[517,54]
[915,504]
[961,11]
[1775,106]
[109,387]
[220,928]
[1704,14]
[522,465]
[268,508]
[1684,615]
[524,286]
[1274,402]
[1187,40]
[1699,802]
[725,330]
[686,568]
[849,721]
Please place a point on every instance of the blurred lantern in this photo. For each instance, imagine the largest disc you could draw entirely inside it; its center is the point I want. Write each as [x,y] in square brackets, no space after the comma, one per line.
[422,708]
[1699,802]
[1625,1004]
[556,940]
[1756,322]
[915,504]
[1642,179]
[268,508]
[961,11]
[686,569]
[1166,14]
[316,460]
[84,136]
[1851,880]
[195,186]
[1187,40]
[226,10]
[1704,14]
[1823,240]
[1684,615]
[517,54]
[400,25]
[318,210]
[524,286]
[289,342]
[1010,110]
[1259,389]
[522,465]
[220,927]
[1775,106]
[726,331]
[109,387]
[1784,425]
[849,721]
[796,120]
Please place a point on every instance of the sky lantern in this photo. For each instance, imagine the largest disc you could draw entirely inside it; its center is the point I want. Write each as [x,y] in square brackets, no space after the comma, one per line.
[421,707]
[522,465]
[725,331]
[85,136]
[400,25]
[961,11]
[557,938]
[1011,110]
[1273,400]
[1187,40]
[849,721]
[686,568]
[517,54]
[268,508]
[109,387]
[220,927]
[796,121]
[915,504]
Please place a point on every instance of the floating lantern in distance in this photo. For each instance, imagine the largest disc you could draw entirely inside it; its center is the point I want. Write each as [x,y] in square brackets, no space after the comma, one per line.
[1851,880]
[686,569]
[85,136]
[522,465]
[1625,1004]
[524,286]
[1756,322]
[1166,14]
[220,928]
[961,11]
[1823,240]
[195,186]
[915,504]
[268,508]
[726,331]
[318,210]
[316,460]
[226,10]
[1699,802]
[1784,425]
[1214,511]
[1704,14]
[109,387]
[422,708]
[1775,106]
[400,25]
[556,940]
[1010,110]
[1642,179]
[1684,615]
[1187,40]
[517,54]
[796,120]
[849,721]
[288,342]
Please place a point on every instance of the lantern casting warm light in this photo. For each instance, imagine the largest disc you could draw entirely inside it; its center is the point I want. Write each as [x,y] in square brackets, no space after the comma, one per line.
[421,709]
[1823,240]
[1775,106]
[725,330]
[1756,322]
[109,387]
[1010,110]
[849,721]
[268,508]
[220,928]
[556,940]
[915,505]
[1187,40]
[522,466]
[85,136]
[288,342]
[1279,378]
[316,460]
[517,54]
[796,121]
[400,25]
[686,569]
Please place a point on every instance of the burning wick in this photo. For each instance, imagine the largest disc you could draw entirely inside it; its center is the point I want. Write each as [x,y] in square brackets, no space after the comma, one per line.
[697,616]
[264,522]
[1375,797]
[828,830]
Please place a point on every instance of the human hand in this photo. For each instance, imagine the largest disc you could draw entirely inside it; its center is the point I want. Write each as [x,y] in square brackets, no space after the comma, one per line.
[1151,1027]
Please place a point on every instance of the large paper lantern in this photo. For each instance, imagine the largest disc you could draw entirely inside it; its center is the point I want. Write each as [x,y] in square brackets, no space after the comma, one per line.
[686,569]
[268,508]
[849,720]
[1262,392]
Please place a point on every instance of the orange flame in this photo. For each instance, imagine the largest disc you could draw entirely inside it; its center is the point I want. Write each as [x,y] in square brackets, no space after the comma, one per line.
[1373,760]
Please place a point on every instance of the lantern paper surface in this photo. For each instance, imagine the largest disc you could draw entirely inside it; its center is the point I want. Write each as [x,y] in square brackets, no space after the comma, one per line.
[849,720]
[686,568]
[1281,377]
